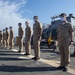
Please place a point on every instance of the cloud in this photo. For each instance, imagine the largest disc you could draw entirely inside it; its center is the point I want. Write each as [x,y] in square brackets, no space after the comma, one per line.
[10,14]
[28,11]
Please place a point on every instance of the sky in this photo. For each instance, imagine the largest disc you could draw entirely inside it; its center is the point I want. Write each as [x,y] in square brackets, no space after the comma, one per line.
[14,11]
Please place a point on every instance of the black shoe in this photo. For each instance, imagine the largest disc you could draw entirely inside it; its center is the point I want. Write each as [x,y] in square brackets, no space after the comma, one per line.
[60,67]
[27,54]
[10,48]
[65,69]
[19,51]
[74,53]
[35,58]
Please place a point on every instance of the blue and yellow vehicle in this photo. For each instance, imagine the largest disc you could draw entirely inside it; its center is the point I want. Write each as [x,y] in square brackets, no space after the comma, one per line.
[49,35]
[47,38]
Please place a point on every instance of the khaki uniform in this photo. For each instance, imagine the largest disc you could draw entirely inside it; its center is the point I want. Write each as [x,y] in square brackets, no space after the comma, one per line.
[27,39]
[1,39]
[20,34]
[7,39]
[11,39]
[64,35]
[37,31]
[4,39]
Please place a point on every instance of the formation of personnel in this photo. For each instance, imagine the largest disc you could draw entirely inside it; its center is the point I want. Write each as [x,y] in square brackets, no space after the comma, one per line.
[37,32]
[64,35]
[7,38]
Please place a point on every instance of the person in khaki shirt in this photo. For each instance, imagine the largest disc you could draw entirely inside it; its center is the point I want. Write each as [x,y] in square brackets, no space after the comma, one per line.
[64,35]
[7,38]
[4,39]
[1,36]
[20,35]
[11,38]
[37,32]
[27,38]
